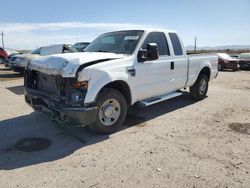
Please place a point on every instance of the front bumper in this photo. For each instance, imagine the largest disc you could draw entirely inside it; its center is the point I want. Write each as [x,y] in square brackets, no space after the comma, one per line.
[231,65]
[16,68]
[244,65]
[58,111]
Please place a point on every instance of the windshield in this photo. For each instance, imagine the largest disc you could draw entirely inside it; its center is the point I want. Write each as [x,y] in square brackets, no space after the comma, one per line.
[37,51]
[244,56]
[120,42]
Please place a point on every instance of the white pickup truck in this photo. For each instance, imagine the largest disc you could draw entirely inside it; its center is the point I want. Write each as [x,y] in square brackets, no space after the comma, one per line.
[117,70]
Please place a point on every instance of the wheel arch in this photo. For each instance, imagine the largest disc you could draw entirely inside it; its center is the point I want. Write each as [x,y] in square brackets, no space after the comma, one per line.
[121,86]
[207,71]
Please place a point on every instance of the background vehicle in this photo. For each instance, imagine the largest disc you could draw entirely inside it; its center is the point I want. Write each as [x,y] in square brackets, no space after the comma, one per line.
[19,62]
[117,70]
[244,61]
[10,53]
[3,55]
[227,62]
[80,46]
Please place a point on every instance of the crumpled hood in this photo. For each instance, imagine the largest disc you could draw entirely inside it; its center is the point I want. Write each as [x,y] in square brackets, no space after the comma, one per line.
[67,65]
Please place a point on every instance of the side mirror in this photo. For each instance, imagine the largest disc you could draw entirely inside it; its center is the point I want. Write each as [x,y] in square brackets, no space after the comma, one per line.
[152,51]
[150,54]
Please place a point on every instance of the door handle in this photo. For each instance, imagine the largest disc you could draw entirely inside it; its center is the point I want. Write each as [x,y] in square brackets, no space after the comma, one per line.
[172,65]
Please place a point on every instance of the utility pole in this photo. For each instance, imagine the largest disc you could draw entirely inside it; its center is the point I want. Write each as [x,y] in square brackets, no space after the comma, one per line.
[195,43]
[2,39]
[77,30]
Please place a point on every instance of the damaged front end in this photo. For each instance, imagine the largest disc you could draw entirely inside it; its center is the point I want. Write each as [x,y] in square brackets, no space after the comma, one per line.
[60,98]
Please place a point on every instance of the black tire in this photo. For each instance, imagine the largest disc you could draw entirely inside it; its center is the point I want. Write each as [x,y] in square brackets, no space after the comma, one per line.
[220,67]
[2,60]
[198,91]
[109,94]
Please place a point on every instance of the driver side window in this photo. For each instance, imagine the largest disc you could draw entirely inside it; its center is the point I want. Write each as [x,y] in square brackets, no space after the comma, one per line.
[160,39]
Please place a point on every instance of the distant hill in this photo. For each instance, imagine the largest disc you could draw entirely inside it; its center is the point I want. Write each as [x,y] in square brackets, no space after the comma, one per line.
[232,47]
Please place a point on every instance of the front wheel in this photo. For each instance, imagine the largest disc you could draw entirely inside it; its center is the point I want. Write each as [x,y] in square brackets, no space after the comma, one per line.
[199,90]
[112,110]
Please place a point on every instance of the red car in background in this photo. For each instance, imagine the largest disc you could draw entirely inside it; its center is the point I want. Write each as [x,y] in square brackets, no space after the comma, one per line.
[227,62]
[244,61]
[3,55]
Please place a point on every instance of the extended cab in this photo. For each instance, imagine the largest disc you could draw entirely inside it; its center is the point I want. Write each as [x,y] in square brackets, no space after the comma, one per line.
[117,70]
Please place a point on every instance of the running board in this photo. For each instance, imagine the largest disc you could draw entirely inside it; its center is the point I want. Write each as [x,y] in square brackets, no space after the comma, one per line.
[161,98]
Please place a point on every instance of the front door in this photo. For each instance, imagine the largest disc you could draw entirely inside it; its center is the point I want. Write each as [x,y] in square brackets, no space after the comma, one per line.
[152,77]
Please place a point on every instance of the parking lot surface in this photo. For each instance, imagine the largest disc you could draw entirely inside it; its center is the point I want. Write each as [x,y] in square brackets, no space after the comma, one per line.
[176,143]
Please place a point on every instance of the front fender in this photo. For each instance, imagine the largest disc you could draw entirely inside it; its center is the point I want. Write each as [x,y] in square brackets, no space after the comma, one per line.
[99,79]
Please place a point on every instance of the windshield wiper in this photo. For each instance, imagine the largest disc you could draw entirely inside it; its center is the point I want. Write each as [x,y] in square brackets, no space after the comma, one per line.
[101,51]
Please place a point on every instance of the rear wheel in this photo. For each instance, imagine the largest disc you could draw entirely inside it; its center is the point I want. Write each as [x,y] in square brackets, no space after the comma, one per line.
[112,110]
[199,90]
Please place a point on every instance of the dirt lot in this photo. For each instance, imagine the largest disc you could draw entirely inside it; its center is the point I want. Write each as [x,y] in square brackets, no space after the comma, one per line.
[177,143]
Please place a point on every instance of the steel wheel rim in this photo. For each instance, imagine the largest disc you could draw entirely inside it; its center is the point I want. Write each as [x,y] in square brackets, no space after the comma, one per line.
[203,86]
[1,61]
[109,112]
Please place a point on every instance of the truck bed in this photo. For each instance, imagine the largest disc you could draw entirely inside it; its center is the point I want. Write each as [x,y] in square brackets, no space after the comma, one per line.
[197,60]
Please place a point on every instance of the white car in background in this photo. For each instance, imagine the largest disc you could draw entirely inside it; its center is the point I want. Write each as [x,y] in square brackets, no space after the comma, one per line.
[244,61]
[11,51]
[80,46]
[19,62]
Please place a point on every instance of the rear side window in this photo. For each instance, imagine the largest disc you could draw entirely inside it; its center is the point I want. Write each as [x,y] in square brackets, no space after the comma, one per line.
[160,39]
[176,44]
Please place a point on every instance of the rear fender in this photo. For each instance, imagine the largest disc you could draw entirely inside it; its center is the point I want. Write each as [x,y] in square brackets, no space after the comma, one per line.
[192,77]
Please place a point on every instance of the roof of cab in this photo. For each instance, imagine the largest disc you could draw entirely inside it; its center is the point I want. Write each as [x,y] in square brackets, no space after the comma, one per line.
[147,30]
[159,30]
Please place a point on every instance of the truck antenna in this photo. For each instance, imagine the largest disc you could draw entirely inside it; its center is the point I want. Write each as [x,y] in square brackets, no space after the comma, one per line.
[195,43]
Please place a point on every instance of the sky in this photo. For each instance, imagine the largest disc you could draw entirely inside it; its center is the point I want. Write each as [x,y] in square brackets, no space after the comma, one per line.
[28,24]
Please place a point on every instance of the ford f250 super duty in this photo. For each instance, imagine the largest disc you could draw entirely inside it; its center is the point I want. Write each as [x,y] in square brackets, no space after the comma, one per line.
[115,71]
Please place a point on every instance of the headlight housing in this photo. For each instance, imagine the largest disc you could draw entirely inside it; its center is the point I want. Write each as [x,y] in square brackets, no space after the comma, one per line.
[76,97]
[20,59]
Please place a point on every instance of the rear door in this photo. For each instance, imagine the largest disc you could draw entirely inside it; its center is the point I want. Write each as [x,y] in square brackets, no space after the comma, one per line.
[179,62]
[153,77]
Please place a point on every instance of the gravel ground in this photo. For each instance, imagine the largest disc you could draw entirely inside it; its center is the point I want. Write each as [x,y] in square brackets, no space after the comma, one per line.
[176,143]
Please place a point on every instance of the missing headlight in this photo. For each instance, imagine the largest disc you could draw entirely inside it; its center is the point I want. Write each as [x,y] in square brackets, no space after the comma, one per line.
[76,97]
[81,85]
